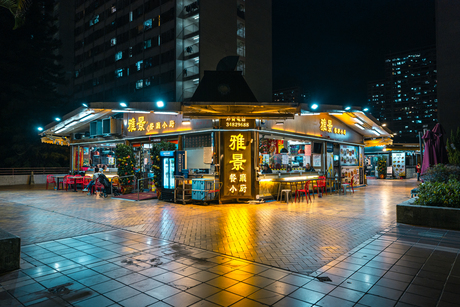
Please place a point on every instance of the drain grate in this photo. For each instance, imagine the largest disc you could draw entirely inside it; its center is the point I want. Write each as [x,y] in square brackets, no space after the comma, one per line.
[323,278]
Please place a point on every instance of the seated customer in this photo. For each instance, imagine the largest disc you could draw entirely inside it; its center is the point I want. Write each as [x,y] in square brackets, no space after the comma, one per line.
[309,168]
[93,182]
[288,168]
[267,169]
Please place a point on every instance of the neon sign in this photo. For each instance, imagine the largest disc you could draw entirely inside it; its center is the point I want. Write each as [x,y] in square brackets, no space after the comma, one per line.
[327,126]
[142,125]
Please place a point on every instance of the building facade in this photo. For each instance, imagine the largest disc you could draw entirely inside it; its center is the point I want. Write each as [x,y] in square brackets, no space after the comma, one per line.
[147,50]
[292,94]
[448,48]
[406,100]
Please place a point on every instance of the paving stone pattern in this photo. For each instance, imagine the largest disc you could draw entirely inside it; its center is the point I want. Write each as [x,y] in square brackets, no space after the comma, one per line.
[299,237]
[402,266]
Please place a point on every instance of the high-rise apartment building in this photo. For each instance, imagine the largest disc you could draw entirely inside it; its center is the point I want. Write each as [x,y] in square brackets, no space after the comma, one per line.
[147,50]
[447,51]
[406,99]
[291,94]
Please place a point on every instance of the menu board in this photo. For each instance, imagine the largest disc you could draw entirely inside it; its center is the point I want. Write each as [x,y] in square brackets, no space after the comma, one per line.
[316,160]
[350,173]
[399,163]
[348,155]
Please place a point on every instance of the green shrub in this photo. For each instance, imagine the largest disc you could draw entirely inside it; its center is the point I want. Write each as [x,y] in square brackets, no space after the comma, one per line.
[453,147]
[442,173]
[439,194]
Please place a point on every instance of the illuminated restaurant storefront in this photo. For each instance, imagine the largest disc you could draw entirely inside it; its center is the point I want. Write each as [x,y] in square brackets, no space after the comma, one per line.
[230,144]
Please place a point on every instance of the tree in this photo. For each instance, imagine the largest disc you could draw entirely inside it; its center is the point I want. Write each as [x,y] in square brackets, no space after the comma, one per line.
[18,8]
[453,147]
[30,69]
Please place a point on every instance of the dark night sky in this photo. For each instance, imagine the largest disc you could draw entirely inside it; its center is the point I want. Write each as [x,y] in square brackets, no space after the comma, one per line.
[332,48]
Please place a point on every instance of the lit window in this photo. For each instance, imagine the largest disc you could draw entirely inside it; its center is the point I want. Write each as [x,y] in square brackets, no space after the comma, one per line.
[113,41]
[147,82]
[114,9]
[118,55]
[131,16]
[139,65]
[147,44]
[94,20]
[139,84]
[148,24]
[119,73]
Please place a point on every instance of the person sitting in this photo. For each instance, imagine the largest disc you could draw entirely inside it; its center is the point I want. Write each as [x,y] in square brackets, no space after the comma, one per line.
[90,185]
[288,169]
[309,168]
[267,169]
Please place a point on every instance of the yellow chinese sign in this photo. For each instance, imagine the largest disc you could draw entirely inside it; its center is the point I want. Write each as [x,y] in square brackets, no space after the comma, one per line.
[238,183]
[238,157]
[140,124]
[236,122]
[327,126]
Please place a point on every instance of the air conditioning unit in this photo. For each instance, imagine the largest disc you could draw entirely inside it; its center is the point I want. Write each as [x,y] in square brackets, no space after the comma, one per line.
[95,128]
[112,126]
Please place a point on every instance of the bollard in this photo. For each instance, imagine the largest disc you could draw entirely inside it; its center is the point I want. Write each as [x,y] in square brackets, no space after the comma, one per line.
[32,181]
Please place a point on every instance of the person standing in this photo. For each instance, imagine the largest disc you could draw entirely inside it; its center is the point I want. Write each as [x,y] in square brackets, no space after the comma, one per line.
[418,170]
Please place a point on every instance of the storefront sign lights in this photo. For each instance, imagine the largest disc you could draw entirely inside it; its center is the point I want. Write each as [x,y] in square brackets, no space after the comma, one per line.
[238,183]
[236,122]
[327,126]
[141,125]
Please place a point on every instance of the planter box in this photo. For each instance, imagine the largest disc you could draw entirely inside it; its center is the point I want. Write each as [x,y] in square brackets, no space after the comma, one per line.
[437,217]
[10,252]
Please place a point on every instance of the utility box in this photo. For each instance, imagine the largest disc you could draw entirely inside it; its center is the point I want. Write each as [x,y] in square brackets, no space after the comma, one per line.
[10,252]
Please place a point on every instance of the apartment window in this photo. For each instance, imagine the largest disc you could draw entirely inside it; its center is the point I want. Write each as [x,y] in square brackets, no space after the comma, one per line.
[113,9]
[118,56]
[147,44]
[94,20]
[139,84]
[241,30]
[139,65]
[119,73]
[131,16]
[113,41]
[148,24]
[241,48]
[147,82]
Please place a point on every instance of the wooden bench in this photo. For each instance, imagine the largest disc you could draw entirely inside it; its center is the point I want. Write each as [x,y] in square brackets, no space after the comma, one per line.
[10,251]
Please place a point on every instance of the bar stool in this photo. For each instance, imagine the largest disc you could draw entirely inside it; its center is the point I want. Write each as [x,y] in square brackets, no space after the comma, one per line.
[288,194]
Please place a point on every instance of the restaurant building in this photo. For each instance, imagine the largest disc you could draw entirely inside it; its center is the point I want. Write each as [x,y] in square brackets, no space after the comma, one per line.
[227,141]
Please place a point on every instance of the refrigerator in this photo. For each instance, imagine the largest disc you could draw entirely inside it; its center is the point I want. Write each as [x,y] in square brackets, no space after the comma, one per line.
[171,164]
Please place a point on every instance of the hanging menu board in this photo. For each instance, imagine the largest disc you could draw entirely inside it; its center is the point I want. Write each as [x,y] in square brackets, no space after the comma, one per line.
[198,141]
[348,155]
[399,163]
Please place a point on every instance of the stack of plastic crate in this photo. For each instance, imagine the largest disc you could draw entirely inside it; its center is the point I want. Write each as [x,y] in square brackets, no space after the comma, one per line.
[201,189]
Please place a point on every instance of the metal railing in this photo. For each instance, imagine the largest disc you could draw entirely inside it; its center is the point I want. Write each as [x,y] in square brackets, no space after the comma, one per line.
[138,189]
[36,170]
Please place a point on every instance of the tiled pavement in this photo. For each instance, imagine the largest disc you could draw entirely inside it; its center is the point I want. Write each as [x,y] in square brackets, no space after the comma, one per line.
[385,265]
[299,237]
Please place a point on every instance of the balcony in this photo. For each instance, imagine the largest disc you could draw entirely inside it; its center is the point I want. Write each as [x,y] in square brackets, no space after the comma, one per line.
[191,50]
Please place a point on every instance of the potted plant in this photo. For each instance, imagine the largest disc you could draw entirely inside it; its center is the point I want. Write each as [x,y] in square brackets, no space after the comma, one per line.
[382,167]
[125,163]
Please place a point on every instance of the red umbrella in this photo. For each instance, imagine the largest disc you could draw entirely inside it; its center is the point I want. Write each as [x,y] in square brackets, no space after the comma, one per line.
[430,152]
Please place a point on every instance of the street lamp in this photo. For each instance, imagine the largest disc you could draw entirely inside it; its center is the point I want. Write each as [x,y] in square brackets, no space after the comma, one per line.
[123,104]
[57,119]
[39,128]
[366,109]
[314,106]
